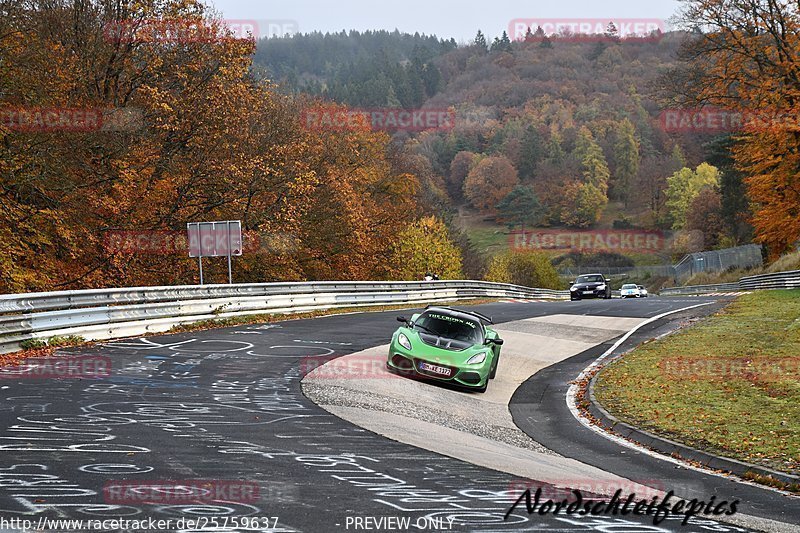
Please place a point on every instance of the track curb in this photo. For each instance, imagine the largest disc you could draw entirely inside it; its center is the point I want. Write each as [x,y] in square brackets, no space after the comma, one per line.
[611,424]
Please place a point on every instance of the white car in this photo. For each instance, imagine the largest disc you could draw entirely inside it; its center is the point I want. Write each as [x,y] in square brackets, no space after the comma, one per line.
[642,291]
[629,290]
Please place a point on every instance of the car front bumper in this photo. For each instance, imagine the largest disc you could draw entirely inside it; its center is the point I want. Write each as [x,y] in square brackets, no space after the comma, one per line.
[400,360]
[587,294]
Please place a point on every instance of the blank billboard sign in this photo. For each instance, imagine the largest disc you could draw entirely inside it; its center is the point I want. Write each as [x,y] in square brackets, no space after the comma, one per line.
[215,239]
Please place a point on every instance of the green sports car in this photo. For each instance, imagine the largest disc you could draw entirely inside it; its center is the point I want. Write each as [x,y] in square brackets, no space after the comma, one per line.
[446,344]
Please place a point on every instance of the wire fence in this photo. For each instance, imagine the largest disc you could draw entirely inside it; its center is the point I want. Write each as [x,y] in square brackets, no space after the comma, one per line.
[739,257]
[637,271]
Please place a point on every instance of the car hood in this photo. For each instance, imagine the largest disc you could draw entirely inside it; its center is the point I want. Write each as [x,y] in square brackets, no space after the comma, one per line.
[444,343]
[440,354]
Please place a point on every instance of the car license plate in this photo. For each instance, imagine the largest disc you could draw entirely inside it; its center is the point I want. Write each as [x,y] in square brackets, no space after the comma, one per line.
[442,371]
[588,292]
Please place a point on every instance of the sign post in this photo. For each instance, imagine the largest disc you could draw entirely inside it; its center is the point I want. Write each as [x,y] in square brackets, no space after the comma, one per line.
[215,239]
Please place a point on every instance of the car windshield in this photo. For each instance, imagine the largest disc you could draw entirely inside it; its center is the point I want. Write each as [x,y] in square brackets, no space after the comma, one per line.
[450,327]
[590,279]
[630,287]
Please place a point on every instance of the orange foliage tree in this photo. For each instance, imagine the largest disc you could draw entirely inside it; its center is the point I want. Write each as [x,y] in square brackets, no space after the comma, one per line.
[748,60]
[489,181]
[201,140]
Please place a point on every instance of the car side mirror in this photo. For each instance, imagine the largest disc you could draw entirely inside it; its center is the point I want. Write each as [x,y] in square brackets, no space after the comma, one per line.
[402,319]
[498,342]
[608,280]
[572,282]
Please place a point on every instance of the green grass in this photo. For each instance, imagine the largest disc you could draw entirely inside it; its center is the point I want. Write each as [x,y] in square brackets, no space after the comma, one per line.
[488,240]
[729,385]
[56,341]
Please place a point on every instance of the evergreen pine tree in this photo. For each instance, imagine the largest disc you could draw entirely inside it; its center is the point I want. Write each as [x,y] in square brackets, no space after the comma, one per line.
[480,41]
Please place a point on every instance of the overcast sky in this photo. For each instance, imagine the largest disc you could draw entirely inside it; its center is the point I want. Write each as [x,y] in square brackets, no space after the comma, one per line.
[444,18]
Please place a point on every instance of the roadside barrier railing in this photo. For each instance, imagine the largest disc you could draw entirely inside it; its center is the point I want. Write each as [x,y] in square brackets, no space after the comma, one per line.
[701,289]
[103,314]
[776,280]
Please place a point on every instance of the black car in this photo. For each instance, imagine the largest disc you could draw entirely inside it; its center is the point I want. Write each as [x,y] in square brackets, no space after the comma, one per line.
[590,286]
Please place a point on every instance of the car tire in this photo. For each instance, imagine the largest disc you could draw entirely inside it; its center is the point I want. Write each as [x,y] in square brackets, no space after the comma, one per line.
[493,373]
[573,299]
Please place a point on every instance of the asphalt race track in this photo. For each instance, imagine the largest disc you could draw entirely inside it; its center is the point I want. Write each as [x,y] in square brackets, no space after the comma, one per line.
[226,406]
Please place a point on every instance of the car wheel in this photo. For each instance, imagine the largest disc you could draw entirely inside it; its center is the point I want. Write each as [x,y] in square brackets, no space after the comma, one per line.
[573,299]
[493,373]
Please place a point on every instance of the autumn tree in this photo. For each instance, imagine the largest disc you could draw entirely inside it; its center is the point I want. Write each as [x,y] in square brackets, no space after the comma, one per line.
[529,269]
[626,159]
[555,148]
[207,141]
[583,204]
[684,186]
[489,182]
[595,167]
[748,58]
[459,169]
[425,246]
[651,186]
[705,215]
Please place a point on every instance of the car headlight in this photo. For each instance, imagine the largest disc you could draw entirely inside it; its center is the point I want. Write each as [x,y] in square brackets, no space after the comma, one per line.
[477,359]
[404,342]
[601,287]
[573,288]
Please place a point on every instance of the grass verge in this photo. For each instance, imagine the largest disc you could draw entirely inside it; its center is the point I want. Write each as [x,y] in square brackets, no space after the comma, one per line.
[729,385]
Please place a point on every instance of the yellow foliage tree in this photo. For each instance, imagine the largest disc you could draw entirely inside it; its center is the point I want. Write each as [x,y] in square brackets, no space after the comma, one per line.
[529,269]
[425,246]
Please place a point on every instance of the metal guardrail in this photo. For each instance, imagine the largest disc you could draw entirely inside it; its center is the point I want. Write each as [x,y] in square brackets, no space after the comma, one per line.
[114,313]
[700,289]
[777,280]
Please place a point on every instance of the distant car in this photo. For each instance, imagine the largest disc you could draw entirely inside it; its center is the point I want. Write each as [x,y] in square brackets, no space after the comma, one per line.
[629,290]
[446,344]
[643,291]
[590,286]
